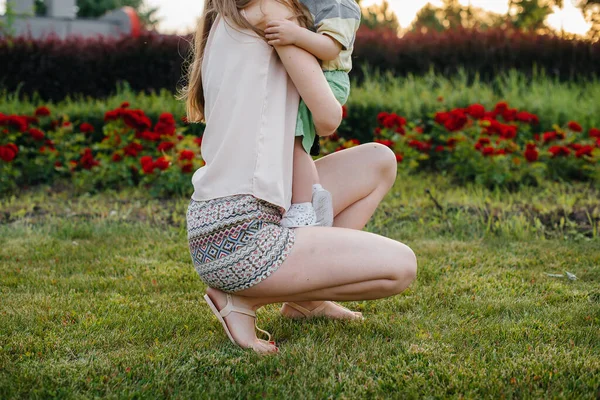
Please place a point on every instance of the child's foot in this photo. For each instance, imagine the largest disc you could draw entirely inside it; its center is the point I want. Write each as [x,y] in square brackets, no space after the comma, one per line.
[299,215]
[323,206]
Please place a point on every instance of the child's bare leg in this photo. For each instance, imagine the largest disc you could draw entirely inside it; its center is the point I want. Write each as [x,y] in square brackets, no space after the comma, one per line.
[305,174]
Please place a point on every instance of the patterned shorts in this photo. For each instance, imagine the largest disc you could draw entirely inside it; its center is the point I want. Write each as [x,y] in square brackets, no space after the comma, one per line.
[236,241]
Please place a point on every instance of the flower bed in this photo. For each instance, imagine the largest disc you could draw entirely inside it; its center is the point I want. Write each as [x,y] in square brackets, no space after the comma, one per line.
[499,147]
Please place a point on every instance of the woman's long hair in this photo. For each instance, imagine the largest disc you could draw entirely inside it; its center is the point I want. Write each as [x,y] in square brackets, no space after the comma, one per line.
[193,92]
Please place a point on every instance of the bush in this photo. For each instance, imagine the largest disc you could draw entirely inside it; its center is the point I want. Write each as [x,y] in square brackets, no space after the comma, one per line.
[484,53]
[55,68]
[502,147]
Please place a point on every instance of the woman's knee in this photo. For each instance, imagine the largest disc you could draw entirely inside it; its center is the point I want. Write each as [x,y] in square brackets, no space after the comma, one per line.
[404,270]
[385,163]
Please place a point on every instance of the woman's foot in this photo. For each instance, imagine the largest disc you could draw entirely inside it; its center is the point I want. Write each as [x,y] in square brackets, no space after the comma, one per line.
[313,309]
[241,326]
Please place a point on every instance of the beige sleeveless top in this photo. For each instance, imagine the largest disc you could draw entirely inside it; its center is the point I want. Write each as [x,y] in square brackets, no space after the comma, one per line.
[251,109]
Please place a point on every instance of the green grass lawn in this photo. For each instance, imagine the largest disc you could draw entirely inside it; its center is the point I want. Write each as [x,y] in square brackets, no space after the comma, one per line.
[98,297]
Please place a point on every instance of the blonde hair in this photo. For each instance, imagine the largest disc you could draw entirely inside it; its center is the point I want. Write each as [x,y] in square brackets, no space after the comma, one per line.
[193,92]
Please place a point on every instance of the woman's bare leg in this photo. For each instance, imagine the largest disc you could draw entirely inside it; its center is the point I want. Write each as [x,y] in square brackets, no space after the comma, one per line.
[337,263]
[371,170]
[305,174]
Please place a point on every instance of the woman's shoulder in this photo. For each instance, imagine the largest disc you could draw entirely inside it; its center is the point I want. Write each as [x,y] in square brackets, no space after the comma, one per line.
[261,12]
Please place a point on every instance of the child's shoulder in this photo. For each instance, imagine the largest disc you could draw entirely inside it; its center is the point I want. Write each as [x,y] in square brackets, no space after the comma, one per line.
[345,9]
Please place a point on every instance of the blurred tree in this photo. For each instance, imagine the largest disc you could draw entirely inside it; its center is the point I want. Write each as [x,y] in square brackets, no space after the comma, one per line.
[97,8]
[452,15]
[531,15]
[380,16]
[591,12]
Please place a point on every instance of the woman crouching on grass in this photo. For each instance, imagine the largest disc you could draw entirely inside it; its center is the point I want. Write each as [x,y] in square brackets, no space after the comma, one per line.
[248,94]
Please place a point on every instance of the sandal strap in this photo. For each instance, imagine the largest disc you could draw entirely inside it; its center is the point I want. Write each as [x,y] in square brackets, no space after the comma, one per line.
[306,312]
[229,308]
[265,332]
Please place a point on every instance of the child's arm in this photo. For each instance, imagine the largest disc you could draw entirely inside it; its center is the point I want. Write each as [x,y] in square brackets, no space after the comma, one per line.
[284,32]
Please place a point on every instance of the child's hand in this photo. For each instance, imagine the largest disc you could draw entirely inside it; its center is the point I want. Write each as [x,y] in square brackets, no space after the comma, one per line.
[282,32]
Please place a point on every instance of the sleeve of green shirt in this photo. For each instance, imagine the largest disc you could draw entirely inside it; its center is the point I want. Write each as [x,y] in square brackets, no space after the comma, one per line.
[339,21]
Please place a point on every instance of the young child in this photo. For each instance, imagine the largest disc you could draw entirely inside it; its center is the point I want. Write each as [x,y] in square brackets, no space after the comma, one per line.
[335,26]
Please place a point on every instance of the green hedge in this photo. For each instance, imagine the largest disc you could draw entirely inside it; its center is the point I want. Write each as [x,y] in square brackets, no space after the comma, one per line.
[414,97]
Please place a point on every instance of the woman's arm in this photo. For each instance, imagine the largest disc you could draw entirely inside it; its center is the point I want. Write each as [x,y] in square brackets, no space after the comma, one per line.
[304,70]
[306,73]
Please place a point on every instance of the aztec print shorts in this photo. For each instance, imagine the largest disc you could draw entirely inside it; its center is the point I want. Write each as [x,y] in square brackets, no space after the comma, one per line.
[236,241]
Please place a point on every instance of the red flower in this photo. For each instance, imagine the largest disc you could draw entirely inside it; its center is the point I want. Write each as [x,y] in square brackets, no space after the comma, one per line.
[442,117]
[501,107]
[508,131]
[125,104]
[500,152]
[136,119]
[66,124]
[536,137]
[8,152]
[531,153]
[87,160]
[184,119]
[86,128]
[509,115]
[117,157]
[42,111]
[595,133]
[575,127]
[165,146]
[355,142]
[344,112]
[399,158]
[481,143]
[452,142]
[132,149]
[527,118]
[549,136]
[187,168]
[198,141]
[559,151]
[584,151]
[392,121]
[476,111]
[186,155]
[381,117]
[145,160]
[150,136]
[421,146]
[165,125]
[58,164]
[377,131]
[488,151]
[36,134]
[147,164]
[18,122]
[161,163]
[439,149]
[385,142]
[456,120]
[419,129]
